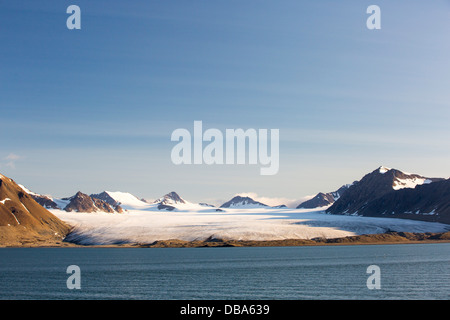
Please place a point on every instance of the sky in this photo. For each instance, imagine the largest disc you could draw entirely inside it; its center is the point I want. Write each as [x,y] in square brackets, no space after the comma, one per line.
[93,109]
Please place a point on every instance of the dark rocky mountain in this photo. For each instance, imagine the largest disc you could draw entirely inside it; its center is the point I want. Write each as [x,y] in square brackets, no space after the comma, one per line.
[105,197]
[389,192]
[323,199]
[428,202]
[239,201]
[23,220]
[170,198]
[45,201]
[206,205]
[339,192]
[81,202]
[165,207]
[320,200]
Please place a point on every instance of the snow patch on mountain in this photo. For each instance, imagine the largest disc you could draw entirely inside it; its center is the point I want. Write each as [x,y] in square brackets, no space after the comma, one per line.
[4,200]
[409,182]
[127,200]
[383,169]
[27,191]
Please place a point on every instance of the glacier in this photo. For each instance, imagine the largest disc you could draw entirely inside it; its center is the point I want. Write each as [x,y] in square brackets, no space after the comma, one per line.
[146,224]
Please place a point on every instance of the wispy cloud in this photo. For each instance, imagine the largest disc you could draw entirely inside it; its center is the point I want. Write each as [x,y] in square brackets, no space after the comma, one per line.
[10,160]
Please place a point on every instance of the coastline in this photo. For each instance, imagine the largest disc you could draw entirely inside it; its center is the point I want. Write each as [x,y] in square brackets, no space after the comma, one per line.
[366,239]
[369,239]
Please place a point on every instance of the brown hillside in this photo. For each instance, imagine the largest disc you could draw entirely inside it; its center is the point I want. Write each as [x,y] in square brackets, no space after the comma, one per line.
[23,220]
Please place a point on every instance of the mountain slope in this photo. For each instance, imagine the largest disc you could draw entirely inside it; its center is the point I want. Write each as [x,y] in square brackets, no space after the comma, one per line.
[243,202]
[427,202]
[171,198]
[124,199]
[172,201]
[323,199]
[386,190]
[81,202]
[320,200]
[22,219]
[45,201]
[105,196]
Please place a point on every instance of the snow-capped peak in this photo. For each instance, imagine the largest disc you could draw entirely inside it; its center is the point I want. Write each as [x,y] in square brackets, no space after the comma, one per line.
[243,202]
[126,199]
[383,169]
[170,199]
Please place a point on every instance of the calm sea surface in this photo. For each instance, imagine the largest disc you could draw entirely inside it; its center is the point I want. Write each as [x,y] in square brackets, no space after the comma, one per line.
[412,271]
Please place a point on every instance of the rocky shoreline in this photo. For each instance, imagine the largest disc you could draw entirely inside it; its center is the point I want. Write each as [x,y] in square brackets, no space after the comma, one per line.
[367,239]
[383,238]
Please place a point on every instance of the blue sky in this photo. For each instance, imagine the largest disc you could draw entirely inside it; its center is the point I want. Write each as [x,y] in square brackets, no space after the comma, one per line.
[93,109]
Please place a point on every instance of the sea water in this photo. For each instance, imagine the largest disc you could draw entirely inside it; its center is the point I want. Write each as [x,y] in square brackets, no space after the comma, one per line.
[406,271]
